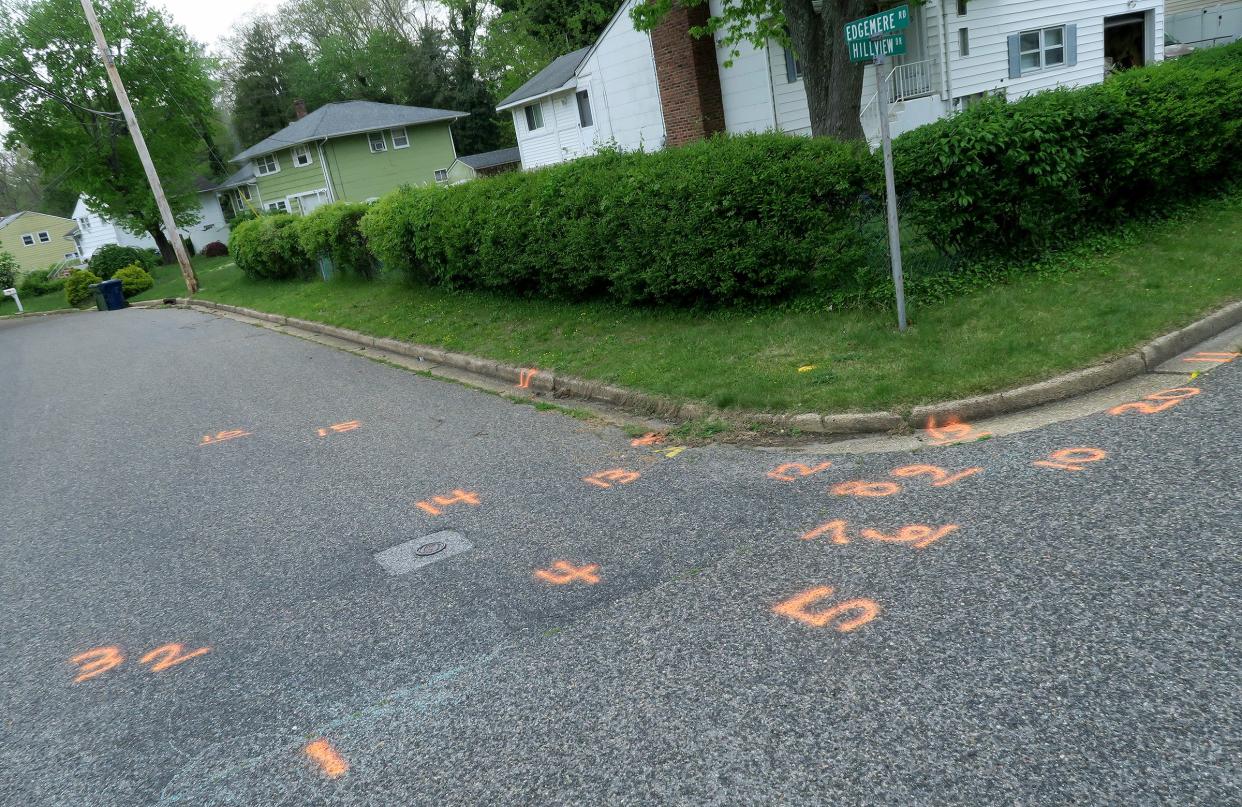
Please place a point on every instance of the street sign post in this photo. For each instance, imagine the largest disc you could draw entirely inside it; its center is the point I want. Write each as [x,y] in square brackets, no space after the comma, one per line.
[873,38]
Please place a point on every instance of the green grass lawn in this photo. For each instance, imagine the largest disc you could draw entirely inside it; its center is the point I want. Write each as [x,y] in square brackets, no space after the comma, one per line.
[991,339]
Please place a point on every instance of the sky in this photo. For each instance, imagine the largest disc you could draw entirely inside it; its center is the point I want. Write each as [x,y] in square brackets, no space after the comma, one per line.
[208,20]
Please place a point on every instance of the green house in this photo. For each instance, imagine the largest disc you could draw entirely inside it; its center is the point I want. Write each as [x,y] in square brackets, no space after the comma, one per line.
[38,240]
[353,151]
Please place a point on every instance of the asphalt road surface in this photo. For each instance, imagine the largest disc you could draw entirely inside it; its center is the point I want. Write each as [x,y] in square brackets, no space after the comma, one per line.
[192,611]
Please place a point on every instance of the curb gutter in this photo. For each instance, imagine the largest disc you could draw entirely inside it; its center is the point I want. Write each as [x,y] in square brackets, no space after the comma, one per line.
[1064,386]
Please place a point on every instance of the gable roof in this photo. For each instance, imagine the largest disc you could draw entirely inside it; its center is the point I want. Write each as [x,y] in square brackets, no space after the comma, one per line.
[548,80]
[4,222]
[346,118]
[491,159]
[9,219]
[243,176]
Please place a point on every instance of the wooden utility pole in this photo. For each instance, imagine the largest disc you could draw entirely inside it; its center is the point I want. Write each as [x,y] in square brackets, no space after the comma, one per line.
[170,225]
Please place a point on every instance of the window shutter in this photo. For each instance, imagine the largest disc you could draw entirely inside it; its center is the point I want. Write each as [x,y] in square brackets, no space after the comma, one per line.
[1015,57]
[1071,45]
[791,67]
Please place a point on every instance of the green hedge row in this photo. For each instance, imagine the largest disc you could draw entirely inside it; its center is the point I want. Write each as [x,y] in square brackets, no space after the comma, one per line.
[754,217]
[280,246]
[1014,178]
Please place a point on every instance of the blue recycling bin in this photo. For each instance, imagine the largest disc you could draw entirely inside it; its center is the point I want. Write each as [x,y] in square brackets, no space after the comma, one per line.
[109,295]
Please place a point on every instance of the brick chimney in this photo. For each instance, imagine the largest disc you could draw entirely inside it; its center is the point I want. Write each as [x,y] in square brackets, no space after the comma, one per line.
[299,109]
[688,76]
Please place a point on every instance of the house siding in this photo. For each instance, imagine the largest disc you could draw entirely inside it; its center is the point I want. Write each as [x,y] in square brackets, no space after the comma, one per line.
[991,22]
[1194,20]
[38,256]
[356,173]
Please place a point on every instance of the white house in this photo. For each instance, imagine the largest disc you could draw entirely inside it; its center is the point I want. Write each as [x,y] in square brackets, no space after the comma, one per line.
[1203,24]
[648,90]
[93,230]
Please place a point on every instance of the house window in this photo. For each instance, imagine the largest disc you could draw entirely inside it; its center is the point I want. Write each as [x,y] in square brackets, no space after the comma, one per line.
[441,174]
[584,110]
[301,156]
[244,190]
[28,239]
[280,206]
[70,255]
[84,223]
[534,117]
[961,8]
[376,139]
[400,139]
[963,41]
[267,164]
[1042,48]
[44,237]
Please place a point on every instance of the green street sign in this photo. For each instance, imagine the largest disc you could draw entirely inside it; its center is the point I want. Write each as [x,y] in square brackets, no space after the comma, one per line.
[886,23]
[865,50]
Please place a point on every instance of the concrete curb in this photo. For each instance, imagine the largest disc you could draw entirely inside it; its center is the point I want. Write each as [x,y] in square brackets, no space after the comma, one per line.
[26,314]
[1005,402]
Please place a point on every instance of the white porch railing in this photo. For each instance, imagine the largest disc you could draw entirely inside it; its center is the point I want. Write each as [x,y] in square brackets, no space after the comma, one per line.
[904,81]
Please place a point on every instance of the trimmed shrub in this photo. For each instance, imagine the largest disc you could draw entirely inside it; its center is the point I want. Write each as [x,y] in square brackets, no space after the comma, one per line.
[754,217]
[332,230]
[8,270]
[1006,179]
[76,291]
[40,282]
[134,280]
[268,247]
[215,249]
[111,257]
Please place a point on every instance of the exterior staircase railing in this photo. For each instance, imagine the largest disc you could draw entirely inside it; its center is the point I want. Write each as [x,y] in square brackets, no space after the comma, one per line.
[903,81]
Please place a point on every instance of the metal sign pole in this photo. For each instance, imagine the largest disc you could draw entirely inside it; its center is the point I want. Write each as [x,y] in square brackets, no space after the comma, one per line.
[890,186]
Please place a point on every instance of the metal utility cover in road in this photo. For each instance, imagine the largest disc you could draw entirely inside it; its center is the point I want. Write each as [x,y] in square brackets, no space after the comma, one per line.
[886,23]
[865,50]
[420,552]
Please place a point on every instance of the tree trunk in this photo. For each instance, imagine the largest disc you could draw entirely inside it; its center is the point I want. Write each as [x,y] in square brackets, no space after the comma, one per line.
[833,84]
[167,256]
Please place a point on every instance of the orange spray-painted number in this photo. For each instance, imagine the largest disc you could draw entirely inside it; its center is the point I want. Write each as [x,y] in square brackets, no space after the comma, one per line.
[917,535]
[952,431]
[458,496]
[96,662]
[1212,358]
[792,470]
[347,426]
[525,376]
[849,615]
[1072,459]
[940,477]
[326,757]
[1166,399]
[222,437]
[606,479]
[649,439]
[563,572]
[170,655]
[866,489]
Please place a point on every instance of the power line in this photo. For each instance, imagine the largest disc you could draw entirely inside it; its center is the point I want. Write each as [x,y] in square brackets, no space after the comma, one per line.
[45,91]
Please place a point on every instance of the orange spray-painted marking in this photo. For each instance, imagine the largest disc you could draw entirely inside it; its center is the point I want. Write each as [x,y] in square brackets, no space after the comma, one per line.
[866,489]
[170,655]
[835,528]
[563,572]
[1072,459]
[952,431]
[222,437]
[96,661]
[329,761]
[605,479]
[917,535]
[525,376]
[940,477]
[1168,398]
[1213,358]
[458,496]
[648,439]
[782,472]
[797,607]
[347,426]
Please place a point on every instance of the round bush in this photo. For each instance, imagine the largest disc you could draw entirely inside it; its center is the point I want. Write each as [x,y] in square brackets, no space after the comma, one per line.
[332,230]
[76,291]
[134,280]
[111,257]
[8,270]
[215,249]
[40,282]
[268,247]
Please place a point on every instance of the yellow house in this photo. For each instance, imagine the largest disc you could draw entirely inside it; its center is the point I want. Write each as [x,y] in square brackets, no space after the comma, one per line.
[37,240]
